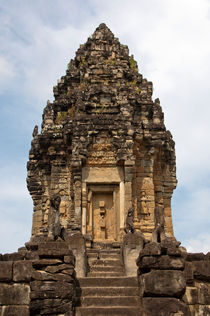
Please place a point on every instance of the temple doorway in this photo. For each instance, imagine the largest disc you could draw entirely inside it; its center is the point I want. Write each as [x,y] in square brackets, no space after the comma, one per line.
[103,212]
[103,216]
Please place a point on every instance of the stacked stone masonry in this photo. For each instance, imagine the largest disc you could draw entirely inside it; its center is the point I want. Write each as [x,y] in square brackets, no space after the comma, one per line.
[102,128]
[38,280]
[172,281]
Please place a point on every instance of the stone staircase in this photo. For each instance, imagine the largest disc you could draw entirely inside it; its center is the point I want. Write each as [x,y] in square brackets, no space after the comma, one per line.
[106,290]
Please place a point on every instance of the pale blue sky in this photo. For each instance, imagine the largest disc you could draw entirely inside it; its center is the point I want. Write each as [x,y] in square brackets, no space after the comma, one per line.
[169,40]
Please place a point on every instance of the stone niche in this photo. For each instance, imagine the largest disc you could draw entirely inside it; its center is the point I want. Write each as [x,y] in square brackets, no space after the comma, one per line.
[103,149]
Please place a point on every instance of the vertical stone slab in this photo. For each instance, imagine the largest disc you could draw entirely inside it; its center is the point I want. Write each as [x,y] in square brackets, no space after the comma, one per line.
[77,244]
[84,208]
[37,222]
[122,205]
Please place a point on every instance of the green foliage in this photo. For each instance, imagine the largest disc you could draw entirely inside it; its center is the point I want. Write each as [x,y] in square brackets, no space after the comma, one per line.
[83,62]
[61,116]
[111,62]
[71,112]
[100,108]
[133,63]
[133,85]
[83,85]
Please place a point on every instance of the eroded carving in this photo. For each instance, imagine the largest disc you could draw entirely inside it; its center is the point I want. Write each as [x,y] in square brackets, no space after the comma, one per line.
[54,227]
[159,232]
[129,221]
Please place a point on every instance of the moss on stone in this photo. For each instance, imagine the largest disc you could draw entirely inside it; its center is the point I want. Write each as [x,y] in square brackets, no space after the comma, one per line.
[133,63]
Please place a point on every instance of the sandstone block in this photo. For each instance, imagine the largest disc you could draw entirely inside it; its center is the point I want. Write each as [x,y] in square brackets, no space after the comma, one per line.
[191,295]
[15,256]
[207,256]
[164,306]
[54,253]
[70,260]
[201,270]
[59,268]
[163,283]
[41,276]
[14,294]
[132,245]
[77,245]
[14,310]
[45,276]
[150,249]
[50,306]
[6,270]
[169,242]
[46,262]
[203,293]
[172,251]
[195,256]
[162,263]
[22,271]
[62,290]
[32,255]
[203,310]
[194,310]
[188,272]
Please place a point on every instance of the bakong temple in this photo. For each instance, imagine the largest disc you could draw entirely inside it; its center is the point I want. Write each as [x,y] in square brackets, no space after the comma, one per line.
[101,173]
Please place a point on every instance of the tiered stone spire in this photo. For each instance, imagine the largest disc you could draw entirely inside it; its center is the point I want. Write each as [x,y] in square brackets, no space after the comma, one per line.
[103,116]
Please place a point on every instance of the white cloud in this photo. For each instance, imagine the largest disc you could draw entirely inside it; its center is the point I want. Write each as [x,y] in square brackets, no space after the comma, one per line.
[15,209]
[13,234]
[7,73]
[200,244]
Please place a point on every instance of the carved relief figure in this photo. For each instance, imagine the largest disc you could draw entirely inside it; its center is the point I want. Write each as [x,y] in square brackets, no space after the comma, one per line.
[129,221]
[159,231]
[54,228]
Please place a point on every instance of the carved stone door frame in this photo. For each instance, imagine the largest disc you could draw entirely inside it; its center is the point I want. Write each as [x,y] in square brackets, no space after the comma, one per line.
[103,189]
[109,178]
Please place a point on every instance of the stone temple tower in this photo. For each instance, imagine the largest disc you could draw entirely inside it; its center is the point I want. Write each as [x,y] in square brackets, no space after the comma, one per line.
[103,163]
[101,174]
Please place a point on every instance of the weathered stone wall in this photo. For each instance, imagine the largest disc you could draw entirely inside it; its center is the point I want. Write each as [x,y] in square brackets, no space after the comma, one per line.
[197,273]
[38,280]
[103,116]
[15,277]
[172,280]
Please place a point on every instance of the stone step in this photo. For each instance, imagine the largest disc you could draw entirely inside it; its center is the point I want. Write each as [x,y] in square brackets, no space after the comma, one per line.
[111,310]
[108,291]
[93,250]
[110,301]
[105,262]
[101,268]
[108,282]
[112,245]
[105,274]
[104,255]
[109,256]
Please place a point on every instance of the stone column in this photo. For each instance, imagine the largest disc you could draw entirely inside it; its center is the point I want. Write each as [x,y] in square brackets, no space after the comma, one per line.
[129,166]
[122,205]
[84,208]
